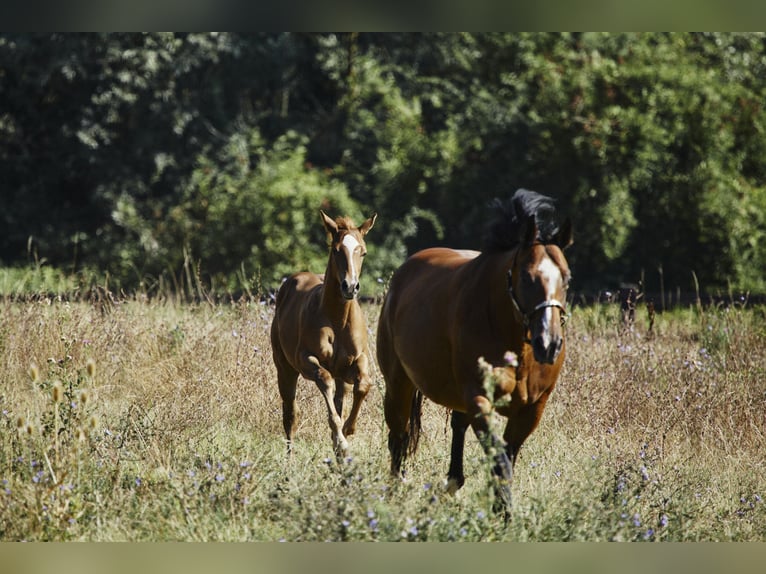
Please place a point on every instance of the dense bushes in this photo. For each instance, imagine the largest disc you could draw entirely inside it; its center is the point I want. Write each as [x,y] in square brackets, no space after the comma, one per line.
[149,155]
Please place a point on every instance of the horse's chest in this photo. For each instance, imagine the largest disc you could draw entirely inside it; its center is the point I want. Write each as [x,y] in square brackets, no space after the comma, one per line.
[339,351]
[533,385]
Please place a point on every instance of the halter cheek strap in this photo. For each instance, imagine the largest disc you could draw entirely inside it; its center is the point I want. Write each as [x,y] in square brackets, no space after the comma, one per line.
[526,317]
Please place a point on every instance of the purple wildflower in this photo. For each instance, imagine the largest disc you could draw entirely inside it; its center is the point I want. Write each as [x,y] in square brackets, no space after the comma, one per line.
[511,359]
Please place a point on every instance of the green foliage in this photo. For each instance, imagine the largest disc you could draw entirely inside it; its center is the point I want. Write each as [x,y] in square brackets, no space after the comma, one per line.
[170,159]
[247,206]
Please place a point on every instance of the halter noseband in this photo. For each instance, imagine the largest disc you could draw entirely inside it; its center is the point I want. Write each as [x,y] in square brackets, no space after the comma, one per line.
[526,317]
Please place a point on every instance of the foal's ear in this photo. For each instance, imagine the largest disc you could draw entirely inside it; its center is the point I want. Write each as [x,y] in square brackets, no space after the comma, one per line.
[564,235]
[329,224]
[367,225]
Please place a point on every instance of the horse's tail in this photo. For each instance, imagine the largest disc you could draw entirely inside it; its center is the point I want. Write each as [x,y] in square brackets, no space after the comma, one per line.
[415,422]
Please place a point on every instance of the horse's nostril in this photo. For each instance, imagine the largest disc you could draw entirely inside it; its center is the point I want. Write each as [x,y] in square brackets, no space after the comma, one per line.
[546,354]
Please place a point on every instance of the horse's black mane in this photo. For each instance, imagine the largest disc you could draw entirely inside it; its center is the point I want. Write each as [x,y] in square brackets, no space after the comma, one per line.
[504,231]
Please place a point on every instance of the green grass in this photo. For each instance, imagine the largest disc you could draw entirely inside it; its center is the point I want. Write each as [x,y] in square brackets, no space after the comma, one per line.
[648,436]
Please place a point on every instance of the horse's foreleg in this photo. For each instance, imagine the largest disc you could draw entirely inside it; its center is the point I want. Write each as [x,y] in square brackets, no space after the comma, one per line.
[455,477]
[361,382]
[326,384]
[340,392]
[521,425]
[495,447]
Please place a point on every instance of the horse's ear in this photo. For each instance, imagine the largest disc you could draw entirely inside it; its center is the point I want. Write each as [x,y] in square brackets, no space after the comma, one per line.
[564,235]
[367,225]
[529,231]
[329,224]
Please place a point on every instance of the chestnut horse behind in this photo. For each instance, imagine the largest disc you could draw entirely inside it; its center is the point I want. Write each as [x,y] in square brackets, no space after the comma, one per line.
[319,332]
[446,309]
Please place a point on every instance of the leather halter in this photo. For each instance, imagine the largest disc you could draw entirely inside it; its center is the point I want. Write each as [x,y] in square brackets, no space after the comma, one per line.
[526,317]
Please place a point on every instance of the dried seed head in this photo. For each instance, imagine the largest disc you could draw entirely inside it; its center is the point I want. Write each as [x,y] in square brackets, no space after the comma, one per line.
[84,397]
[81,434]
[511,359]
[21,422]
[29,429]
[34,373]
[90,367]
[92,423]
[57,392]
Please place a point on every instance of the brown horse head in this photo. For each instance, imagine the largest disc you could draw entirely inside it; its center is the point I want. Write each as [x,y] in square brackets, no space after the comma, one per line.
[347,251]
[537,284]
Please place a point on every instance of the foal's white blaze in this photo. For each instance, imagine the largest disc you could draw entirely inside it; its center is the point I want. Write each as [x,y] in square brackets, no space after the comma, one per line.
[550,275]
[350,244]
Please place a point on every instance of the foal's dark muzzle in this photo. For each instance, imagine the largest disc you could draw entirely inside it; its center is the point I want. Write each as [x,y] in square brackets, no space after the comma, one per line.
[349,290]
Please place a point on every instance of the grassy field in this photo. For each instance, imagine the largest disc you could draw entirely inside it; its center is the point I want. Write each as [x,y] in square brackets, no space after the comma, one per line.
[161,421]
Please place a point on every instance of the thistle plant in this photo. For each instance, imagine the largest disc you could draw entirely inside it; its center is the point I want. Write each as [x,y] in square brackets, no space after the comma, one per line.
[493,380]
[47,456]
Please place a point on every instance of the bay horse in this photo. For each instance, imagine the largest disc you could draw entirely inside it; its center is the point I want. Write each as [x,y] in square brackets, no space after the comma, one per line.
[319,332]
[446,311]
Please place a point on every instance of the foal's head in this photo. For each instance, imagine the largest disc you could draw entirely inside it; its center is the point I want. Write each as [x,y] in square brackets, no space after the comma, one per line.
[347,251]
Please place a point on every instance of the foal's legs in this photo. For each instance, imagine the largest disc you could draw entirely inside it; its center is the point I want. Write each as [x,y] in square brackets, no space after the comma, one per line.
[287,379]
[361,382]
[327,386]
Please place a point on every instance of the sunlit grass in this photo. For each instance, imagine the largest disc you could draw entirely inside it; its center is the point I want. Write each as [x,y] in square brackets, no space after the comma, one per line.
[648,436]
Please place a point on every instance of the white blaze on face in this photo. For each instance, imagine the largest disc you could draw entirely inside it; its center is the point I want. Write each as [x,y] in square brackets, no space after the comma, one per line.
[350,244]
[550,275]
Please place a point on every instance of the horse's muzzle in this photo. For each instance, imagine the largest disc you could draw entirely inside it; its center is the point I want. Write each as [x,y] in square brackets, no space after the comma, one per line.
[349,290]
[547,353]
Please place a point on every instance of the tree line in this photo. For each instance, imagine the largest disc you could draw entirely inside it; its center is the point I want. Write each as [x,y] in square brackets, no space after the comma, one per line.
[150,156]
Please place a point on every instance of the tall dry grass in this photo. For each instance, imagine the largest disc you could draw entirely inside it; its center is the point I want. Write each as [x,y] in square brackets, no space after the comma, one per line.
[161,421]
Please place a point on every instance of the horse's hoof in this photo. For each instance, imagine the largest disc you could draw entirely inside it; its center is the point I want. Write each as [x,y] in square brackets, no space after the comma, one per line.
[452,486]
[341,449]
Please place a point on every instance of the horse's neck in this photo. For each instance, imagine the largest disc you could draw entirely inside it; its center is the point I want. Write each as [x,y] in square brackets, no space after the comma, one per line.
[336,308]
[491,273]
